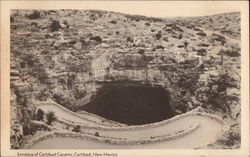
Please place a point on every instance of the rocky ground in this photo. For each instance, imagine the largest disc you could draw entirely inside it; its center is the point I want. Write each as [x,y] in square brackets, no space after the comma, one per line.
[62,54]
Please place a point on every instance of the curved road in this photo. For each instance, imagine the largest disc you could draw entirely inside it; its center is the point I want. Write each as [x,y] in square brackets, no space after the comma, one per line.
[207,132]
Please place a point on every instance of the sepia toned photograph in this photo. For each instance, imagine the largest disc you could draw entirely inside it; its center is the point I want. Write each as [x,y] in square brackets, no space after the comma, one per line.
[89,79]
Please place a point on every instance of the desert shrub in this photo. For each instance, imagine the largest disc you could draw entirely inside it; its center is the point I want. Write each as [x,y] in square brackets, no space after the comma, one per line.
[219,38]
[203,45]
[230,139]
[113,22]
[152,30]
[130,39]
[147,24]
[42,76]
[34,24]
[77,128]
[35,15]
[185,44]
[50,116]
[97,134]
[180,46]
[165,39]
[44,52]
[231,53]
[201,34]
[39,115]
[96,38]
[202,52]
[141,51]
[28,129]
[158,35]
[180,36]
[55,26]
[159,47]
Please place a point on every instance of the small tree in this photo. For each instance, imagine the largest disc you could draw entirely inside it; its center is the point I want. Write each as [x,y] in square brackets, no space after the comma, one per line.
[50,117]
[158,35]
[55,26]
[185,44]
[39,114]
[180,36]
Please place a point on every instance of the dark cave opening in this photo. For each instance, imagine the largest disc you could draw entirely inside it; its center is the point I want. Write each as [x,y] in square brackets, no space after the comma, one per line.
[132,104]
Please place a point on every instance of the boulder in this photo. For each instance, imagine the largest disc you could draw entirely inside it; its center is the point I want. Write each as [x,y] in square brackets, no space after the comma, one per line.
[59,42]
[78,46]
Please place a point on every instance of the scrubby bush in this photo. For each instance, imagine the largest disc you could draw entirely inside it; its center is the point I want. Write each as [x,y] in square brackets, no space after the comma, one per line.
[201,34]
[180,36]
[113,22]
[28,129]
[42,76]
[55,26]
[34,24]
[165,39]
[147,24]
[231,53]
[130,39]
[50,116]
[77,128]
[35,67]
[158,35]
[96,38]
[141,51]
[159,47]
[185,44]
[203,45]
[219,38]
[97,134]
[231,138]
[202,52]
[44,52]
[180,46]
[39,115]
[35,15]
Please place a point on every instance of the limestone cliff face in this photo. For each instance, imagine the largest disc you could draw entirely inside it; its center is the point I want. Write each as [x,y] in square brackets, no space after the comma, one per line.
[66,54]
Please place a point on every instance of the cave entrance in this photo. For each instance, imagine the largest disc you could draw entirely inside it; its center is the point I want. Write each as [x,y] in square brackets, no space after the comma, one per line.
[133,104]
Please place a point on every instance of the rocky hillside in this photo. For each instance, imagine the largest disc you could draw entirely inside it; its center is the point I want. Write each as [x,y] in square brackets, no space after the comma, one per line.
[63,54]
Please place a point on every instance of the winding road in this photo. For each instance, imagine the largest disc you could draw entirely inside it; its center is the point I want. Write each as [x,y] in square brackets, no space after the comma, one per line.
[206,133]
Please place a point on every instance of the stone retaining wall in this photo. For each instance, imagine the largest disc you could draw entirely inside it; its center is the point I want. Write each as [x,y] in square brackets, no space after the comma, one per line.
[116,141]
[112,140]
